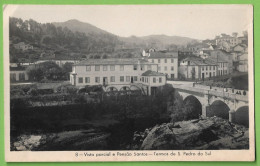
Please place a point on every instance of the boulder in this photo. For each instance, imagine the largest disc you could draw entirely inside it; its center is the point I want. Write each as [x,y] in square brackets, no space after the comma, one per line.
[208,133]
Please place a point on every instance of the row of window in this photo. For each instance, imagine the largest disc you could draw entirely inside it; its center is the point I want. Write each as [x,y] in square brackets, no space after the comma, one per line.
[112,67]
[165,68]
[111,79]
[165,60]
[146,79]
[208,67]
[20,78]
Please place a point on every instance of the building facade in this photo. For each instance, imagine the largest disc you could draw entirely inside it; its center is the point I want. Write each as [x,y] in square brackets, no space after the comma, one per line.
[117,73]
[167,63]
[18,74]
[197,68]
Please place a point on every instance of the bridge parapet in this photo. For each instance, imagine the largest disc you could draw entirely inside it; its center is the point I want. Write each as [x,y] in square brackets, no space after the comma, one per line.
[214,92]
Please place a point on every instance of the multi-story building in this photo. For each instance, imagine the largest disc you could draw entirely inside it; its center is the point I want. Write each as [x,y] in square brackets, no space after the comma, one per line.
[116,73]
[167,63]
[197,68]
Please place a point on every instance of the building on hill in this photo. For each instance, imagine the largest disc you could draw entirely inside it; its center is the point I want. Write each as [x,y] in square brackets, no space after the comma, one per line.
[23,46]
[197,68]
[167,63]
[59,60]
[242,48]
[221,55]
[232,40]
[115,74]
[146,52]
[243,63]
[18,74]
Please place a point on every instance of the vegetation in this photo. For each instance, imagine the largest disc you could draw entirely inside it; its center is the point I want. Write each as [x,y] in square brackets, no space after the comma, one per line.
[49,71]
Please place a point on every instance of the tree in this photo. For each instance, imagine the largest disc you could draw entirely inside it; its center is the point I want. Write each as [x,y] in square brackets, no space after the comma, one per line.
[66,69]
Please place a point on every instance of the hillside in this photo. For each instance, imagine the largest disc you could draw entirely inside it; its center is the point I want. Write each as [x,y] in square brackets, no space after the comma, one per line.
[76,25]
[158,41]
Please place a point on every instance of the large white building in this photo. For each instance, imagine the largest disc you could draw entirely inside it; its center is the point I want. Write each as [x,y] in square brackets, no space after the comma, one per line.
[167,63]
[116,73]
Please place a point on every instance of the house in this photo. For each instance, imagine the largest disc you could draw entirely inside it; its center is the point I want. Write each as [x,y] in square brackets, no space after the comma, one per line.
[240,48]
[243,63]
[231,40]
[146,52]
[222,55]
[23,46]
[116,73]
[18,74]
[59,60]
[197,68]
[167,63]
[153,80]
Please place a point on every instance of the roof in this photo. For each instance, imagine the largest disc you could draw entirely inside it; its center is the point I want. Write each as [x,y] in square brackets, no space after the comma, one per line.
[152,73]
[199,61]
[126,61]
[157,55]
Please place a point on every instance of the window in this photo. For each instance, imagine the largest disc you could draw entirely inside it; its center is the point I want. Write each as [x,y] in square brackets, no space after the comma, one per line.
[13,76]
[121,78]
[142,79]
[112,79]
[172,68]
[112,68]
[159,68]
[159,60]
[21,76]
[209,67]
[202,68]
[135,78]
[149,67]
[165,60]
[142,67]
[165,68]
[206,67]
[152,61]
[97,79]
[172,60]
[97,68]
[160,79]
[127,78]
[80,80]
[135,67]
[154,80]
[88,68]
[121,67]
[87,80]
[105,68]
[213,67]
[206,73]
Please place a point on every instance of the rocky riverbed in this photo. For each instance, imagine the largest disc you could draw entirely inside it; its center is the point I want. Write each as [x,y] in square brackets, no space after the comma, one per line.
[200,134]
[209,133]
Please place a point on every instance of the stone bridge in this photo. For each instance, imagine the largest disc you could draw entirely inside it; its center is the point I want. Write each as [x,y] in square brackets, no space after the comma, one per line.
[219,102]
[126,87]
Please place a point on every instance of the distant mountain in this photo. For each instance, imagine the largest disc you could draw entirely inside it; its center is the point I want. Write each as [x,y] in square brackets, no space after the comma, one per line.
[76,25]
[159,40]
[133,41]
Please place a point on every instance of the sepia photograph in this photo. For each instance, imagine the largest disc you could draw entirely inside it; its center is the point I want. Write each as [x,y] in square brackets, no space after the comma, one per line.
[129,82]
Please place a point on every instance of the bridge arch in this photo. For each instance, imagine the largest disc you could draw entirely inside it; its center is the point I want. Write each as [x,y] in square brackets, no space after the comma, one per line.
[242,116]
[192,106]
[218,108]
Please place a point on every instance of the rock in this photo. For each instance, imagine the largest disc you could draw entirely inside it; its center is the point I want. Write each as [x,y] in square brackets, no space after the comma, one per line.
[16,144]
[21,148]
[208,133]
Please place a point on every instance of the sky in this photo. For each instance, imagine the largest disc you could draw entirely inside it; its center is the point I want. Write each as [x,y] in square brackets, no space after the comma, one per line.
[194,21]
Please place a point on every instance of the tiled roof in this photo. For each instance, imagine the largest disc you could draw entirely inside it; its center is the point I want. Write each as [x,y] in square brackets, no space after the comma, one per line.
[157,55]
[126,61]
[152,73]
[199,61]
